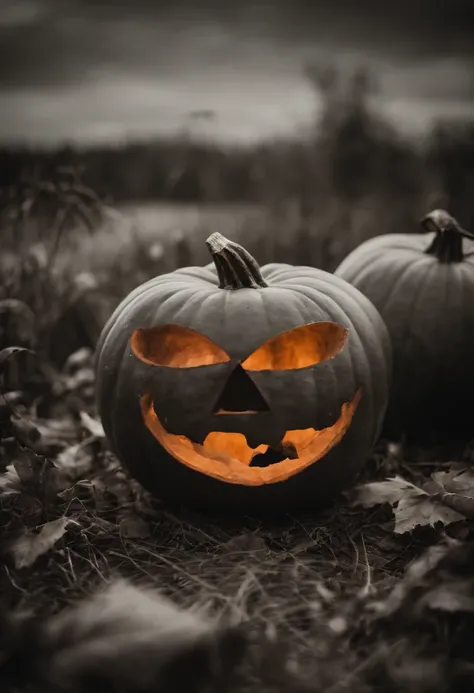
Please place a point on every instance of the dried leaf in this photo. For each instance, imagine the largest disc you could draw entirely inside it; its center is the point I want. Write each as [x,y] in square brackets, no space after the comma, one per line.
[415,573]
[456,489]
[29,466]
[457,595]
[82,377]
[78,359]
[103,638]
[30,473]
[25,431]
[76,459]
[414,506]
[45,436]
[60,430]
[29,547]
[118,486]
[93,426]
[457,480]
[389,491]
[10,482]
[422,511]
[429,559]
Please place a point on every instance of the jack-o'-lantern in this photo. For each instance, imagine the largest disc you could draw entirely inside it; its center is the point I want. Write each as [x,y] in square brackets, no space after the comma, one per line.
[423,286]
[240,388]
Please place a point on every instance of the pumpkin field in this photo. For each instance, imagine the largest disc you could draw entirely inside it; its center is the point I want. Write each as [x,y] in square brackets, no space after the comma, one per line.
[217,474]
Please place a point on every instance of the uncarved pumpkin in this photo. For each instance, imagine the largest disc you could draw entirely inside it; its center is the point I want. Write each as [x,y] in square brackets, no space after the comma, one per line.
[240,388]
[423,286]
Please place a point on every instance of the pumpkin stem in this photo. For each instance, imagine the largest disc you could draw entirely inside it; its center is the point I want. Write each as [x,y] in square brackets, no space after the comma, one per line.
[447,243]
[236,268]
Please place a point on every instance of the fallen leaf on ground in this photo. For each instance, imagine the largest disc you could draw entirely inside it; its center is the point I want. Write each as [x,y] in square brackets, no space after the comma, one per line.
[25,431]
[77,459]
[81,378]
[30,473]
[44,436]
[29,466]
[29,547]
[412,506]
[78,359]
[128,638]
[457,595]
[91,425]
[455,489]
[10,482]
[415,573]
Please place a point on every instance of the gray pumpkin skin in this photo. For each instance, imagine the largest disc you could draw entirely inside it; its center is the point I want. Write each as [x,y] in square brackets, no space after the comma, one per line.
[427,305]
[240,321]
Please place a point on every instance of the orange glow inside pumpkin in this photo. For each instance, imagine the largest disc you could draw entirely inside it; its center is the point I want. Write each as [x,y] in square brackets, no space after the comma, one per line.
[178,346]
[227,456]
[299,348]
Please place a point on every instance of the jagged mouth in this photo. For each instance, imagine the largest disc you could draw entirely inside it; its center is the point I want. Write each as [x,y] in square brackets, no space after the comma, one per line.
[229,458]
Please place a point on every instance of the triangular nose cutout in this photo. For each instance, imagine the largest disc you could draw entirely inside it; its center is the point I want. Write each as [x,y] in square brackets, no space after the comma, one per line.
[240,394]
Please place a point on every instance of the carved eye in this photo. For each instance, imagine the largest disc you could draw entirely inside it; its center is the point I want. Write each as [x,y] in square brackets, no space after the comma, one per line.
[176,346]
[299,348]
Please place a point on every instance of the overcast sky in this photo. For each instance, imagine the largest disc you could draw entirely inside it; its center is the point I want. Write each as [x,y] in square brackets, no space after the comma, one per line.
[100,70]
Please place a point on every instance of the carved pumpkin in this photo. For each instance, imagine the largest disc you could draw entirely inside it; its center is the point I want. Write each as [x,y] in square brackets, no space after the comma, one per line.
[423,286]
[240,388]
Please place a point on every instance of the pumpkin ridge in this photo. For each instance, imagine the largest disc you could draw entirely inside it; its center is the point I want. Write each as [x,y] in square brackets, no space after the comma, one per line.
[423,283]
[185,307]
[402,370]
[359,274]
[272,270]
[403,278]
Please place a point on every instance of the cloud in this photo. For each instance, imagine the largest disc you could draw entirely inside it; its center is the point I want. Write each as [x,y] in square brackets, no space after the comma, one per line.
[96,68]
[114,107]
[65,41]
[403,28]
[20,12]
